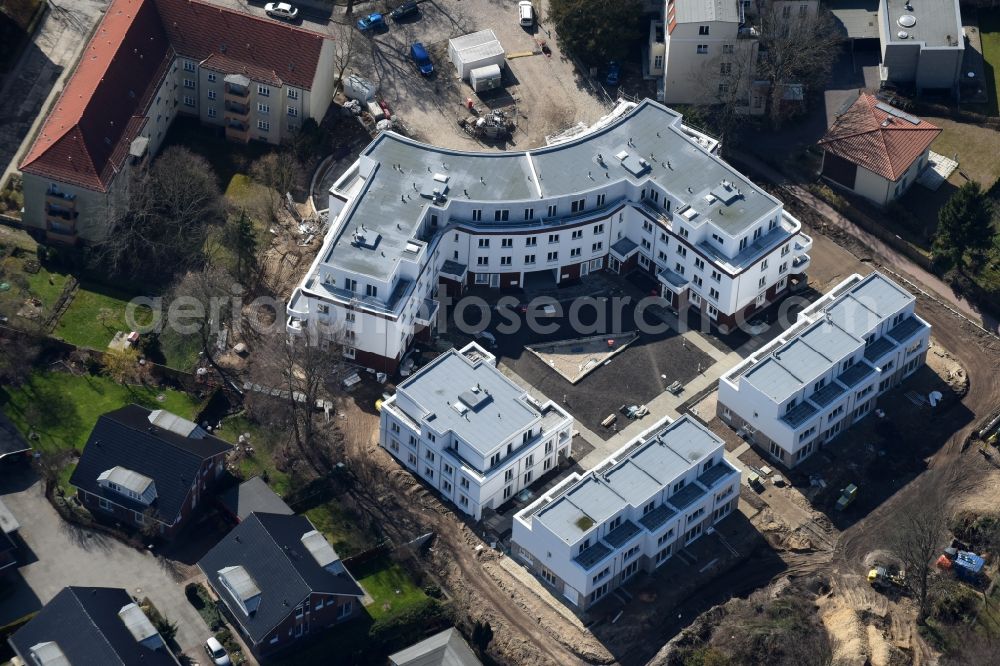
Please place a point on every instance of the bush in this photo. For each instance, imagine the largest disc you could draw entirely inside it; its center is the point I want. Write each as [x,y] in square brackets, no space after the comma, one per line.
[955,604]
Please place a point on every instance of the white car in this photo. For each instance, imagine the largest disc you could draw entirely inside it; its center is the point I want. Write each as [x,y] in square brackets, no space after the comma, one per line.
[526,12]
[217,653]
[281,10]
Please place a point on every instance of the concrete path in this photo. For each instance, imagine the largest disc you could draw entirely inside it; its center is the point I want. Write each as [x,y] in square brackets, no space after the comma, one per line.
[40,74]
[64,554]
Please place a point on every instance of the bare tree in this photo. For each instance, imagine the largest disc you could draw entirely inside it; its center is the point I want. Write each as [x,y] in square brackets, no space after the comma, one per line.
[349,45]
[916,539]
[280,173]
[201,304]
[18,352]
[793,49]
[298,377]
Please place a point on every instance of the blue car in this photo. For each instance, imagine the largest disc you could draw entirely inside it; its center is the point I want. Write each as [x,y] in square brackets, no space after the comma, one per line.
[420,57]
[614,74]
[372,22]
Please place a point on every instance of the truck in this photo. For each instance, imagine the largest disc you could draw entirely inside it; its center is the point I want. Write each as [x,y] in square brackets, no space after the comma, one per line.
[847,497]
[881,577]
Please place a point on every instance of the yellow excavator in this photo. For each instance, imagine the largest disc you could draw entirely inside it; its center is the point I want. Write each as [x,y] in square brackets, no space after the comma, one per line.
[881,577]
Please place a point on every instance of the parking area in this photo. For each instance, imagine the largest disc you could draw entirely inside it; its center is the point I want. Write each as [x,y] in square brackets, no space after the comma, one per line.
[543,91]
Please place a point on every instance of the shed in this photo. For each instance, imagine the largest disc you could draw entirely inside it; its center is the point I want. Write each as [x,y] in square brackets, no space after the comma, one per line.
[485,78]
[475,50]
[359,88]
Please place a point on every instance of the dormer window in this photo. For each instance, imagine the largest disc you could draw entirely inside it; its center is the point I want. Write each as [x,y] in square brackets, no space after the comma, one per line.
[128,483]
[242,587]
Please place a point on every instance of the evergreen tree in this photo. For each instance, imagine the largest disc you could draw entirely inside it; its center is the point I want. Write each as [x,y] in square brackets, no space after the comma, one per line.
[965,227]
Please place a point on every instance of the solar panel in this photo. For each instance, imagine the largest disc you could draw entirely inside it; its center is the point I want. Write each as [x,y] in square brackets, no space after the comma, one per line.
[892,111]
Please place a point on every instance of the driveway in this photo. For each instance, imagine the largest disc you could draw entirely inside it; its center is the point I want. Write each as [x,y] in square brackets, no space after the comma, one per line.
[62,554]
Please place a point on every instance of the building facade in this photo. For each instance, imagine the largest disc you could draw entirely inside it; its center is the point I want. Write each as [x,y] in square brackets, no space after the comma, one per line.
[461,426]
[923,44]
[149,62]
[632,512]
[826,372]
[411,224]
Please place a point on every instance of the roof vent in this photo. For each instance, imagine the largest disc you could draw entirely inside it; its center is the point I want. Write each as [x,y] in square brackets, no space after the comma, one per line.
[902,34]
[907,21]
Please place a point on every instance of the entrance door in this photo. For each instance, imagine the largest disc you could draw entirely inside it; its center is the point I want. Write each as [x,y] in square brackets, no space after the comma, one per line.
[494,280]
[613,264]
[584,268]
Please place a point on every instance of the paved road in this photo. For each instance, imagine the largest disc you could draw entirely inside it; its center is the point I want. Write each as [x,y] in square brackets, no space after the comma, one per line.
[66,555]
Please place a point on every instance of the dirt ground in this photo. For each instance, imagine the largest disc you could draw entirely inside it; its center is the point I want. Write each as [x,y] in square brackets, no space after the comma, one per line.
[546,92]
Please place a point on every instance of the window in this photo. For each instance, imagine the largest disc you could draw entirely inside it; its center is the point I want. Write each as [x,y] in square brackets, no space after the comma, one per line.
[723,88]
[743,243]
[531,241]
[577,206]
[345,610]
[647,226]
[508,491]
[684,233]
[464,482]
[597,247]
[529,259]
[727,49]
[263,125]
[263,91]
[527,477]
[505,261]
[574,252]
[446,486]
[717,276]
[429,455]
[682,251]
[211,112]
[293,112]
[697,280]
[783,267]
[371,290]
[448,469]
[786,11]
[678,269]
[293,94]
[501,215]
[762,282]
[552,256]
[477,215]
[139,518]
[264,108]
[529,213]
[600,200]
[484,242]
[577,235]
[553,238]
[702,49]
[211,94]
[713,293]
[188,101]
[699,263]
[763,266]
[350,285]
[726,68]
[658,62]
[463,500]
[552,210]
[411,459]
[645,244]
[428,472]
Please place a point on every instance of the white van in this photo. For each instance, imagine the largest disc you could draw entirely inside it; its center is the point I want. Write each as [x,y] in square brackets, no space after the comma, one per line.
[527,13]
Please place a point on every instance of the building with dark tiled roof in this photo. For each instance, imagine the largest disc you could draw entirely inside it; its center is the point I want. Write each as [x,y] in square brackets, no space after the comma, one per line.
[91,626]
[876,150]
[280,580]
[148,62]
[140,465]
[253,495]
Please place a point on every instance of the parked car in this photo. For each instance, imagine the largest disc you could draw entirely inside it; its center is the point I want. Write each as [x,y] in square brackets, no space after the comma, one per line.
[216,652]
[614,74]
[408,8]
[371,23]
[526,12]
[281,10]
[420,57]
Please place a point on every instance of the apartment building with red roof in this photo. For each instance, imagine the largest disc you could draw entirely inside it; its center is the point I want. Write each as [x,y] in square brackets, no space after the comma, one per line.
[875,150]
[148,62]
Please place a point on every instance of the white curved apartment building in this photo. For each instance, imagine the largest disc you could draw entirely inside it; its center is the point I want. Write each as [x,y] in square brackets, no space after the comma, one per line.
[639,190]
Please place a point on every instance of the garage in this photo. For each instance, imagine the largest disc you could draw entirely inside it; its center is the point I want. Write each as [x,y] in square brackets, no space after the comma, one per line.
[474,51]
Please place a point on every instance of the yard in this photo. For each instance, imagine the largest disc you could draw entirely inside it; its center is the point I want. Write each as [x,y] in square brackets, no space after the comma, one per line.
[261,462]
[390,587]
[95,315]
[989,30]
[61,408]
[230,161]
[27,278]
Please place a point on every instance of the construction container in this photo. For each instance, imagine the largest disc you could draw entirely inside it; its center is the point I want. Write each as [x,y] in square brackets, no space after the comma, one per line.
[475,50]
[968,566]
[376,111]
[485,78]
[359,88]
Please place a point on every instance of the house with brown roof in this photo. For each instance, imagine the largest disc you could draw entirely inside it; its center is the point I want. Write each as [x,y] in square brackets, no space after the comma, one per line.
[148,62]
[876,150]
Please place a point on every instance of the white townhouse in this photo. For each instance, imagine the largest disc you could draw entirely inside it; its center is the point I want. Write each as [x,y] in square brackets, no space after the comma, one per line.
[463,427]
[825,373]
[411,222]
[633,511]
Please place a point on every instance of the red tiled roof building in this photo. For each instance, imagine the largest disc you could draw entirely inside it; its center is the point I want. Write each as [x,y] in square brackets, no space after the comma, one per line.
[876,150]
[147,62]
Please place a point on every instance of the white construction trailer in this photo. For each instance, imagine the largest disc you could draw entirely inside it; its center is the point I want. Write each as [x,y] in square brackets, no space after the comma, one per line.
[475,50]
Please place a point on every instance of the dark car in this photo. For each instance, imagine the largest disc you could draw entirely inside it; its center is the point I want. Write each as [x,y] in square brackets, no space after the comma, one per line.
[408,8]
[614,74]
[420,57]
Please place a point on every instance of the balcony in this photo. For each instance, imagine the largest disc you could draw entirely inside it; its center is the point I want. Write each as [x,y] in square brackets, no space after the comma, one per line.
[236,131]
[67,214]
[236,92]
[803,242]
[801,263]
[236,109]
[57,198]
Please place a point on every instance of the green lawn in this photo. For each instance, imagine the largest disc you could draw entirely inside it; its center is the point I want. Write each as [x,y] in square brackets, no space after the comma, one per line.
[44,285]
[261,463]
[95,314]
[341,528]
[62,408]
[989,30]
[389,585]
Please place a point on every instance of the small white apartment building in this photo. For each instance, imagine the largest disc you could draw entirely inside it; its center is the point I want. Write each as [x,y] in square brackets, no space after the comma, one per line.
[633,511]
[826,372]
[464,428]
